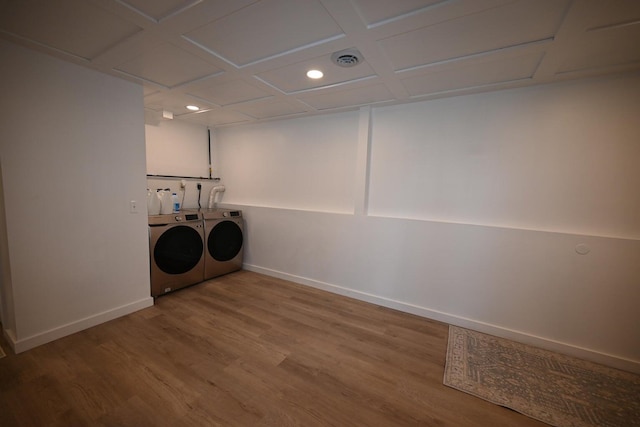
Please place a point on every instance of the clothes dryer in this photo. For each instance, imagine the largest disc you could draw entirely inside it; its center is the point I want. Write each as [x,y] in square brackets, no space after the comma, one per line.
[224,241]
[176,247]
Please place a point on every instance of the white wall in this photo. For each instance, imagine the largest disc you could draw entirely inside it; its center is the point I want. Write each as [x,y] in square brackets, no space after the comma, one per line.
[301,164]
[177,148]
[7,315]
[316,173]
[73,157]
[474,207]
[556,157]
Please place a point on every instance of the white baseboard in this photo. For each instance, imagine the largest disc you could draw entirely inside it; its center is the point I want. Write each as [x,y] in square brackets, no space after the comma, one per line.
[24,344]
[571,350]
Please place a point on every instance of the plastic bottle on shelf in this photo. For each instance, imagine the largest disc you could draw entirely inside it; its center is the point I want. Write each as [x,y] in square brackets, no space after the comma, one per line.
[166,202]
[176,203]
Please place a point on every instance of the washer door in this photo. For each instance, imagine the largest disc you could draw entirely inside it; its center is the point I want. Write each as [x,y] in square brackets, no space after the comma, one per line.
[178,250]
[225,241]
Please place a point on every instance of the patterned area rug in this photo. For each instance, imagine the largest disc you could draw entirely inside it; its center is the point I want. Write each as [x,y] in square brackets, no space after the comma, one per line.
[553,388]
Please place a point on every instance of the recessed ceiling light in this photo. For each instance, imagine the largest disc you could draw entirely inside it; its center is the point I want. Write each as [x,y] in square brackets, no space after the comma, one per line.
[193,108]
[315,74]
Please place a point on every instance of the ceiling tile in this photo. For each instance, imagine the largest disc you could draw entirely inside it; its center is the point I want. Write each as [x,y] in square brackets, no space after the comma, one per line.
[349,97]
[175,102]
[269,109]
[217,117]
[614,23]
[223,92]
[514,24]
[377,11]
[593,50]
[73,26]
[611,13]
[168,65]
[246,60]
[158,10]
[465,75]
[149,89]
[293,78]
[266,29]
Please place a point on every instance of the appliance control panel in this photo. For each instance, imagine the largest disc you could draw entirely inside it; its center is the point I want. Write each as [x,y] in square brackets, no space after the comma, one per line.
[187,217]
[232,214]
[161,220]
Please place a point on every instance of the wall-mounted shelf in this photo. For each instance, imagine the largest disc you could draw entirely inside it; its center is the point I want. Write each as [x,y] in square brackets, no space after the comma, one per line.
[183,177]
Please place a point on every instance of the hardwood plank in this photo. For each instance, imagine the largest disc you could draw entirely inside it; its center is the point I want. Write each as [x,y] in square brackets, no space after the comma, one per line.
[245,350]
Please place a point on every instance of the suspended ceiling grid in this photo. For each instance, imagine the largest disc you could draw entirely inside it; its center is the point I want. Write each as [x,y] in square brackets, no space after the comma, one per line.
[244,61]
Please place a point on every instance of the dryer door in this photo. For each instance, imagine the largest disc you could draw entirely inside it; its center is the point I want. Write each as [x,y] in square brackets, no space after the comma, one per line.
[225,241]
[178,250]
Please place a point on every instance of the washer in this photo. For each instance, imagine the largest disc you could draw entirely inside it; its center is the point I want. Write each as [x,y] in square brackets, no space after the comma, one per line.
[176,247]
[224,241]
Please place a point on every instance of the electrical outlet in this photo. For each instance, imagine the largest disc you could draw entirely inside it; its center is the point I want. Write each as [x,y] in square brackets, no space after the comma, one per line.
[133,207]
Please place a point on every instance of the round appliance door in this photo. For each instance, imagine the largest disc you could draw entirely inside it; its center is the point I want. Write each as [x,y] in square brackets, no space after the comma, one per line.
[178,250]
[225,241]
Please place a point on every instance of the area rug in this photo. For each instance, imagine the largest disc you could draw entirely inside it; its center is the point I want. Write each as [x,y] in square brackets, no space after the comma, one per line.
[553,388]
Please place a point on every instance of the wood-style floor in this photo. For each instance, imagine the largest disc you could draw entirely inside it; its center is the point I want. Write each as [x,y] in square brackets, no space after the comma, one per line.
[245,350]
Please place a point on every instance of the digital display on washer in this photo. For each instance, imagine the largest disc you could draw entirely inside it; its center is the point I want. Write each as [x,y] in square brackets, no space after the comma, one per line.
[191,217]
[234,213]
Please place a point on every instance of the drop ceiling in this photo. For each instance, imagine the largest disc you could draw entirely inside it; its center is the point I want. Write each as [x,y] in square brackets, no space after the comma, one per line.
[245,61]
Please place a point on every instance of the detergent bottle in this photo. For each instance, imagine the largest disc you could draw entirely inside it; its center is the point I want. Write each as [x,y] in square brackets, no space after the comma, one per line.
[153,203]
[166,204]
[175,203]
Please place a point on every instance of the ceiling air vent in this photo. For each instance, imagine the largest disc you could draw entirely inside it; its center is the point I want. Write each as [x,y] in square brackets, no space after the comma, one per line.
[347,58]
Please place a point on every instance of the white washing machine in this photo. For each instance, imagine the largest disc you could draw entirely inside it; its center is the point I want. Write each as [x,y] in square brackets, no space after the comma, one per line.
[224,241]
[176,247]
